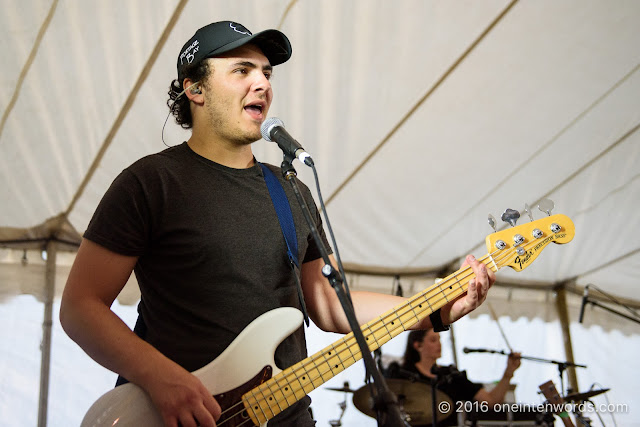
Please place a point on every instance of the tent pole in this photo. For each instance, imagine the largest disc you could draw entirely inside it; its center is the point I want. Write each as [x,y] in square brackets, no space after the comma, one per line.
[563,316]
[45,346]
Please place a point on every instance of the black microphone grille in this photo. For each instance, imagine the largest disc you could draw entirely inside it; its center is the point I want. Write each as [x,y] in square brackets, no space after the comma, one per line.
[269,124]
[466,350]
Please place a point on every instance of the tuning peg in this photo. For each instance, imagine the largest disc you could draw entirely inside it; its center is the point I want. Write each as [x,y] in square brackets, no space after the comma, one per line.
[527,210]
[546,205]
[492,222]
[510,216]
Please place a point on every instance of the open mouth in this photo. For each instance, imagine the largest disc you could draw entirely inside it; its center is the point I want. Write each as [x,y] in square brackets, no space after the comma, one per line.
[255,110]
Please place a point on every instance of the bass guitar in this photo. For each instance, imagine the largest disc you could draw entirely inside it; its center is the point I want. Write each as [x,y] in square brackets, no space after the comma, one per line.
[251,389]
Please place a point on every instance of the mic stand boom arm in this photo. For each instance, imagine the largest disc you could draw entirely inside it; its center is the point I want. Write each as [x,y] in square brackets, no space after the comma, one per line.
[561,365]
[611,310]
[535,359]
[385,400]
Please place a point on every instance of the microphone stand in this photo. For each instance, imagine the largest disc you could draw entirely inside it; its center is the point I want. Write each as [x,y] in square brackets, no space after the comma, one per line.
[385,401]
[611,310]
[434,403]
[561,365]
[612,300]
[535,359]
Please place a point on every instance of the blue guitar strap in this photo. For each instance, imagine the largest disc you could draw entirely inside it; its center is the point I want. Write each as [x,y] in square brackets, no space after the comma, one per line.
[285,218]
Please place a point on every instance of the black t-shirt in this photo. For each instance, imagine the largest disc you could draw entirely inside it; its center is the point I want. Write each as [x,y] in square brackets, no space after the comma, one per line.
[212,256]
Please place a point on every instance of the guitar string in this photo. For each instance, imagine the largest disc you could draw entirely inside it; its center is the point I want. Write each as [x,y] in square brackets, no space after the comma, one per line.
[436,287]
[384,321]
[457,279]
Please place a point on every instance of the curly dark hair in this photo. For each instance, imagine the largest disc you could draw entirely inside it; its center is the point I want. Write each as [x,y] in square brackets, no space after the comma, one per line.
[178,103]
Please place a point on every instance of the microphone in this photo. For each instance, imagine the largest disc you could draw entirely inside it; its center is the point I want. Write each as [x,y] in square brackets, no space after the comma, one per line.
[273,130]
[399,291]
[474,350]
[585,296]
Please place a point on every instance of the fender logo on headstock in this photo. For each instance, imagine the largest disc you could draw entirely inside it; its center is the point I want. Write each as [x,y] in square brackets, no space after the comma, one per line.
[523,260]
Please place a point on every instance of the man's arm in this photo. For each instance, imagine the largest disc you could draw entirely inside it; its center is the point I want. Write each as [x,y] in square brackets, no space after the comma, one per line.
[326,311]
[96,278]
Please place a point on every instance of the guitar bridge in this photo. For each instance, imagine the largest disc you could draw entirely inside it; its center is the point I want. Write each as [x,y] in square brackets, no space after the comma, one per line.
[234,413]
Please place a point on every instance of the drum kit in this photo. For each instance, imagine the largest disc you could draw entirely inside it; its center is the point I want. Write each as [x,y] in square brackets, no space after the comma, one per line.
[421,403]
[416,402]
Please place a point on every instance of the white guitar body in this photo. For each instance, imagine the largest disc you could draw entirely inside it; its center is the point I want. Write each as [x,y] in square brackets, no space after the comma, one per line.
[130,406]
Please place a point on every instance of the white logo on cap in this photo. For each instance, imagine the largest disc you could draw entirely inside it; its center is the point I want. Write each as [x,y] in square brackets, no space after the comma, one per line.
[247,32]
[190,52]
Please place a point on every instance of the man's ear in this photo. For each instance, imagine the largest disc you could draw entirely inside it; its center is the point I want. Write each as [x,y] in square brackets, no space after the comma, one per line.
[193,90]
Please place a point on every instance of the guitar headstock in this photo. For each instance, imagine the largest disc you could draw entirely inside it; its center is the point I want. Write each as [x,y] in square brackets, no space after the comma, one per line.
[556,403]
[549,391]
[517,247]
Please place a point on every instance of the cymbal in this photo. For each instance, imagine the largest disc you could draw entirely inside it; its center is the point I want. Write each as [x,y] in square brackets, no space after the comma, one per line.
[414,400]
[579,397]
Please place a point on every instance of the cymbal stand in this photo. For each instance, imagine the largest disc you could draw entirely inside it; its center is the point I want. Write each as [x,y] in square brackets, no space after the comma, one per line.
[581,420]
[343,406]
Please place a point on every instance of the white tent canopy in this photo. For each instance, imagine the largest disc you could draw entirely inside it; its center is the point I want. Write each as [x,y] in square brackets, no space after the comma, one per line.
[423,117]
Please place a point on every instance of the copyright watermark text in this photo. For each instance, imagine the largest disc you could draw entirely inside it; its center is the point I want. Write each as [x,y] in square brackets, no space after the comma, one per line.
[551,408]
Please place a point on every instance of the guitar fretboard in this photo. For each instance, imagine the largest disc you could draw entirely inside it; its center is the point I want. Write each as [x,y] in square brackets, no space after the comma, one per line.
[283,390]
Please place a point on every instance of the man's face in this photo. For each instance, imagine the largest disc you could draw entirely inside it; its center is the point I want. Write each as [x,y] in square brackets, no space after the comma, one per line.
[238,94]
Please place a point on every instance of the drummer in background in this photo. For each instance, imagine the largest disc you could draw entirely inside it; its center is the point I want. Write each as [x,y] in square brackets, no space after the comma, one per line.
[419,361]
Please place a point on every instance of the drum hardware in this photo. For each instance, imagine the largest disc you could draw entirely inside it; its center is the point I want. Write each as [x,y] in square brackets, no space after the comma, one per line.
[413,399]
[338,422]
[345,388]
[583,397]
[580,397]
[343,405]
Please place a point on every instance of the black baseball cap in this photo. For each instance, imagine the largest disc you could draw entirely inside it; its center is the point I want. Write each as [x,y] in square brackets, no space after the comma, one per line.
[220,37]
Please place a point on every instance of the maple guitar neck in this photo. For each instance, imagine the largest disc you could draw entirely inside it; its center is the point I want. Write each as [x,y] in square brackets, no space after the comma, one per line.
[275,395]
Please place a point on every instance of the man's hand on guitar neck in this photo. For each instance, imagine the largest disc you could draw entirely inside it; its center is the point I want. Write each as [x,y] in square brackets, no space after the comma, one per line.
[476,293]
